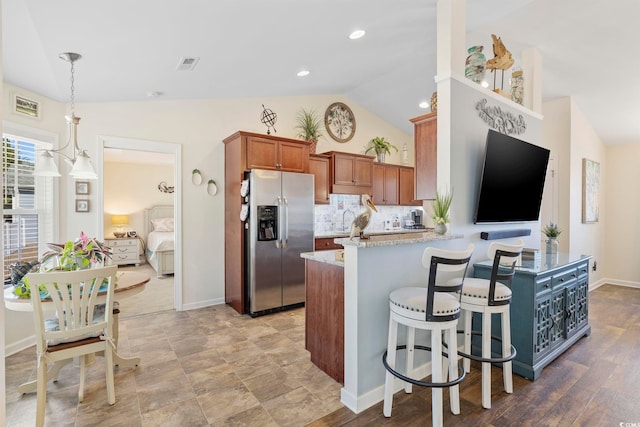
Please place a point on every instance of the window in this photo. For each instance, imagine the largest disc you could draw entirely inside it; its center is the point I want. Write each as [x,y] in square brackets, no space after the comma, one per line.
[27,203]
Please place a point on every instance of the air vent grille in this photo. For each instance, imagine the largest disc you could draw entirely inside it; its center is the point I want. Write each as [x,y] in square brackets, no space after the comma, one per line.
[187,63]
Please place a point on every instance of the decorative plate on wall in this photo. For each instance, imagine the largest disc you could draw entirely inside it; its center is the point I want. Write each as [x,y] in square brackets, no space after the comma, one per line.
[340,122]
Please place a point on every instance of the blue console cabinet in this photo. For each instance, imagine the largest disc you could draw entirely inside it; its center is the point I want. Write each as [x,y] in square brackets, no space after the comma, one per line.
[549,310]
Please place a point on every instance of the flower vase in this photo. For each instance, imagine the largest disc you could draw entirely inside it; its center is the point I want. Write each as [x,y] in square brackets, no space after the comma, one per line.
[440,228]
[381,156]
[475,64]
[551,246]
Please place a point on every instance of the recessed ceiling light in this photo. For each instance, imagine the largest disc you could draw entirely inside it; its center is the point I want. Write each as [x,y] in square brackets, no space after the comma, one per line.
[303,73]
[484,83]
[356,34]
[423,104]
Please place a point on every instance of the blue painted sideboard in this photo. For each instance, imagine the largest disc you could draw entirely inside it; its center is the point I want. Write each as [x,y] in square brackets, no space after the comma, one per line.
[549,310]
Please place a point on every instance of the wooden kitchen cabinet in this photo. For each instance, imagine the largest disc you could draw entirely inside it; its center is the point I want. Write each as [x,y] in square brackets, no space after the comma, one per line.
[319,167]
[350,173]
[385,184]
[244,151]
[406,188]
[267,152]
[324,317]
[325,244]
[426,149]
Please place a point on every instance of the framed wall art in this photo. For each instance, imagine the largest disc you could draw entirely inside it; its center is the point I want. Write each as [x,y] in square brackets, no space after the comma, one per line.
[82,187]
[590,191]
[25,106]
[82,205]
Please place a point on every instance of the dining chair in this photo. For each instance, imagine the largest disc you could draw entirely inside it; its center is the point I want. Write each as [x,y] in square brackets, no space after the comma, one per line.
[78,329]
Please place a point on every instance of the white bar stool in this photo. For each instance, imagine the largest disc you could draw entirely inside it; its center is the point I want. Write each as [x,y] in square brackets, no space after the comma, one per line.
[431,308]
[487,297]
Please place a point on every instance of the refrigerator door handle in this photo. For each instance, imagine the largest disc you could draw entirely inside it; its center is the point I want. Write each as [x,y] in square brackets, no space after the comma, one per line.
[286,226]
[279,239]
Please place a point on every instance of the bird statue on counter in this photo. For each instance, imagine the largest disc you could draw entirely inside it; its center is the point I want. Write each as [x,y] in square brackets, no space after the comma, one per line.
[362,221]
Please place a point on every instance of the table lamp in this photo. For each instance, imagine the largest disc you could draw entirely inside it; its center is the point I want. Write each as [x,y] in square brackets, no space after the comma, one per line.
[119,222]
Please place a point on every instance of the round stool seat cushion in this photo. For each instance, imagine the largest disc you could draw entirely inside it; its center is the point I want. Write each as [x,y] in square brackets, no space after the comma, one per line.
[476,291]
[412,303]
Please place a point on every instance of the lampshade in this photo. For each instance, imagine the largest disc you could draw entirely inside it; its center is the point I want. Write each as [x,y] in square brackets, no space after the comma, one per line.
[82,168]
[45,165]
[80,162]
[120,219]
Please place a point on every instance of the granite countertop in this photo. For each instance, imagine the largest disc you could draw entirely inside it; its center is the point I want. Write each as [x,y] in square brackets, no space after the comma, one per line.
[396,239]
[327,257]
[339,234]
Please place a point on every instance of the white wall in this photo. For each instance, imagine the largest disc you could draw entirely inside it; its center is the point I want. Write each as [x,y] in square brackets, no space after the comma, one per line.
[571,138]
[586,238]
[199,126]
[130,188]
[467,145]
[622,227]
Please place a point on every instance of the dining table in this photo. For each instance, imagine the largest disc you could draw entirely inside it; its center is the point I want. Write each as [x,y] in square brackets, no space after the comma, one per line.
[128,283]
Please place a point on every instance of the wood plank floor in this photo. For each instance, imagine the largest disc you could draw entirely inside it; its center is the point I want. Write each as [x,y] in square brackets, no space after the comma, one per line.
[595,383]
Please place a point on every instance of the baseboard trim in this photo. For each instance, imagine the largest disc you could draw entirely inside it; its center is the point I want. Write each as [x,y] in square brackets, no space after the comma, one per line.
[20,345]
[202,304]
[616,282]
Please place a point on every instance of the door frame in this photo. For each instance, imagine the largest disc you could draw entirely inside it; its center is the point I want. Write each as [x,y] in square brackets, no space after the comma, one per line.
[158,147]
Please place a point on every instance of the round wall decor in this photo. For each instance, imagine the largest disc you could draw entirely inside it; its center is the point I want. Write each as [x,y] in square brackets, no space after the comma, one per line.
[340,122]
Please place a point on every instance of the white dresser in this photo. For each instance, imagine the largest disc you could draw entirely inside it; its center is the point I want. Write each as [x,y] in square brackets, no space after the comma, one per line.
[124,251]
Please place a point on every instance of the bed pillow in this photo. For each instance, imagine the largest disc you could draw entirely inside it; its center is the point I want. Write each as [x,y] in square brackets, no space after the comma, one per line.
[162,224]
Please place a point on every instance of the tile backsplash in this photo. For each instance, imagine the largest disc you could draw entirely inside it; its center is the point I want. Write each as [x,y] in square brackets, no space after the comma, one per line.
[338,215]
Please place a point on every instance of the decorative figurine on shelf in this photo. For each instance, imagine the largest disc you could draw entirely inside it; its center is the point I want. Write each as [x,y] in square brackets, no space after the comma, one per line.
[502,60]
[475,64]
[269,119]
[517,86]
[362,221]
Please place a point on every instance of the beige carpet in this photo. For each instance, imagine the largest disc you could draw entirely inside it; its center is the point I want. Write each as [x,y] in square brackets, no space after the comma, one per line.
[157,295]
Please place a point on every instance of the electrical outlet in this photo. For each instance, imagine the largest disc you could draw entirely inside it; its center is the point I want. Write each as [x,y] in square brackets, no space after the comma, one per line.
[595,265]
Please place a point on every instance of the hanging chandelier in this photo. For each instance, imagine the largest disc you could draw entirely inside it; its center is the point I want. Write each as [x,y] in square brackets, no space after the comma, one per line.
[81,167]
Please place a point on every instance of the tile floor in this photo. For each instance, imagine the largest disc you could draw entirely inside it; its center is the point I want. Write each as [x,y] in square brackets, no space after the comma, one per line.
[210,366]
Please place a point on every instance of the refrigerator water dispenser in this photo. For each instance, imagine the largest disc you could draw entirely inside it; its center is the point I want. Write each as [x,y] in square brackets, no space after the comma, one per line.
[267,223]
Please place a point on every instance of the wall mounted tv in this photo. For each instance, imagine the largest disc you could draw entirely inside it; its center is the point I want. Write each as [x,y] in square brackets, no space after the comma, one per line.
[512,180]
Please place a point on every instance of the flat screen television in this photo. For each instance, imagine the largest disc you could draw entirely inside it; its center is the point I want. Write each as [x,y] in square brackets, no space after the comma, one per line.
[512,180]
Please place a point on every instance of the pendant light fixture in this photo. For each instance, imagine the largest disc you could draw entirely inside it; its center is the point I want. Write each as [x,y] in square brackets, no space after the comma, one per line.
[81,162]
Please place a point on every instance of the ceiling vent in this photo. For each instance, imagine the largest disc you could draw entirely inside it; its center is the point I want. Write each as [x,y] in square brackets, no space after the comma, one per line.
[187,63]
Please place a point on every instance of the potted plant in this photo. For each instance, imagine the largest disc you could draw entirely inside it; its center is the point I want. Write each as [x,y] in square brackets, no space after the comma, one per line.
[76,255]
[552,231]
[381,146]
[309,126]
[441,206]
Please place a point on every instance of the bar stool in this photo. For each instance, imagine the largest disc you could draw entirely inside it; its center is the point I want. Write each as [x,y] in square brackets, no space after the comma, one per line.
[430,308]
[488,296]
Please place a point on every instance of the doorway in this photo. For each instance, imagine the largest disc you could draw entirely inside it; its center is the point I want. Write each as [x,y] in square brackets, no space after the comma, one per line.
[136,149]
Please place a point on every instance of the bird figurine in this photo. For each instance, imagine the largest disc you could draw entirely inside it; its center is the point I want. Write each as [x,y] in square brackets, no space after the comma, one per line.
[362,221]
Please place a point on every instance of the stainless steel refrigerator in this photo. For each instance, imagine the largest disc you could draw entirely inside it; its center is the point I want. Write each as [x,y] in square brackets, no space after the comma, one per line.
[280,227]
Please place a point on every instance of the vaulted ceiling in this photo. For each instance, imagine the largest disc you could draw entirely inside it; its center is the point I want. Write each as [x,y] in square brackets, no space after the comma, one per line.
[256,47]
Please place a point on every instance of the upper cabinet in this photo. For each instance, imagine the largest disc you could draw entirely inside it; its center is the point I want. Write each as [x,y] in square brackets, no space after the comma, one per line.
[350,173]
[319,167]
[426,144]
[271,152]
[406,191]
[385,184]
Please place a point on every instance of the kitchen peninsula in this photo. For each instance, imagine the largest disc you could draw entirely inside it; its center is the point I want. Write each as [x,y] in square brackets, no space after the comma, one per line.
[372,268]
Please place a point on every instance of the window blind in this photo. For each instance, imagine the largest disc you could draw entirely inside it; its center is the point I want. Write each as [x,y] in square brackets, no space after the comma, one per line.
[27,203]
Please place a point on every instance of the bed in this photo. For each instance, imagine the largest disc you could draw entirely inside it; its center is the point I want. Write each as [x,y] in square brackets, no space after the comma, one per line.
[160,237]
